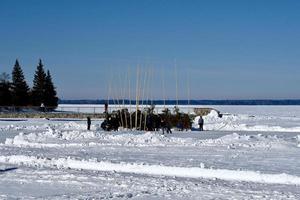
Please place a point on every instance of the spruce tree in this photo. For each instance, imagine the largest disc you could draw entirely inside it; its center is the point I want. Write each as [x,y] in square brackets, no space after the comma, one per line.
[38,89]
[5,92]
[50,93]
[20,88]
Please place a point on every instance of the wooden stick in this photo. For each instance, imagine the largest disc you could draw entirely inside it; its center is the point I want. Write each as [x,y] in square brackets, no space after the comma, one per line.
[143,96]
[137,95]
[129,91]
[176,83]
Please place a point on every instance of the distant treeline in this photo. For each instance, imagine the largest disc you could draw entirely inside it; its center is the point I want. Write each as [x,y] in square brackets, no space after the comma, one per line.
[191,102]
[15,91]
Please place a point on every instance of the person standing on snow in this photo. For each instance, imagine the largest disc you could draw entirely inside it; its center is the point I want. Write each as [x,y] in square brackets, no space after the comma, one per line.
[165,125]
[200,123]
[168,123]
[89,123]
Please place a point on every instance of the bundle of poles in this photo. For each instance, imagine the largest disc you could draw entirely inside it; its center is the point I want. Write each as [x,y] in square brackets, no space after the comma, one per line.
[143,95]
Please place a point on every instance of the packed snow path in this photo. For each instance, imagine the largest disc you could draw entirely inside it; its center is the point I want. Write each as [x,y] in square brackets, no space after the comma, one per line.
[61,160]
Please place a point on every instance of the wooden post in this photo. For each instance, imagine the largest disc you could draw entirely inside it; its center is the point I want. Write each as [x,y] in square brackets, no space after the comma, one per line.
[129,91]
[176,83]
[137,96]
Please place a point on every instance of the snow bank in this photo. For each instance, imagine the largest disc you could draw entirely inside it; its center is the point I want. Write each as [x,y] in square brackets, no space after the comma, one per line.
[19,127]
[61,139]
[43,126]
[236,140]
[241,122]
[56,138]
[185,172]
[72,134]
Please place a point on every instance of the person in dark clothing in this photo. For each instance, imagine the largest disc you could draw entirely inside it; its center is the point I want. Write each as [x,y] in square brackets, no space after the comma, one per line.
[89,123]
[180,125]
[150,122]
[106,108]
[165,124]
[201,123]
[168,123]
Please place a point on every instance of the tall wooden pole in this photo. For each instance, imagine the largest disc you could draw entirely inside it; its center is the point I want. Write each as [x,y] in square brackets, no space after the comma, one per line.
[108,93]
[188,89]
[143,96]
[151,88]
[163,87]
[124,94]
[120,97]
[112,89]
[176,79]
[137,96]
[129,91]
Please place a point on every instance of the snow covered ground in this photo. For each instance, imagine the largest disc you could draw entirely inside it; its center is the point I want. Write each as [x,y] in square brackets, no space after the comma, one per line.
[252,152]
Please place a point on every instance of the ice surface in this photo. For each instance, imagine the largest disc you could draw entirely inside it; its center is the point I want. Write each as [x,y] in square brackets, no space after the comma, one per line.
[249,153]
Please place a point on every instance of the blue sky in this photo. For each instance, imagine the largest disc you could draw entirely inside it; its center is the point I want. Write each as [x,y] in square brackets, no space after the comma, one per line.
[223,49]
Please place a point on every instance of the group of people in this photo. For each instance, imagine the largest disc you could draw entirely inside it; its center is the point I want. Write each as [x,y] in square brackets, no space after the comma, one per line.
[164,124]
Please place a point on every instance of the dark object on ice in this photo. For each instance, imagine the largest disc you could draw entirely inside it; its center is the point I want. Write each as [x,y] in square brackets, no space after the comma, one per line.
[180,125]
[8,169]
[201,123]
[165,124]
[146,119]
[13,120]
[176,119]
[106,108]
[89,123]
[112,121]
[153,122]
[168,126]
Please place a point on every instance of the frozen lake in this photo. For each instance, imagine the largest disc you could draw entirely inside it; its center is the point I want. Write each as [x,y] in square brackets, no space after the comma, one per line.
[252,152]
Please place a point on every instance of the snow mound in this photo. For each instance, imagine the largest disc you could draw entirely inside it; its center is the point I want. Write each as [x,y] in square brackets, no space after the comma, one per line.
[42,139]
[145,139]
[100,138]
[236,140]
[160,170]
[241,122]
[61,139]
[212,115]
[73,125]
[63,126]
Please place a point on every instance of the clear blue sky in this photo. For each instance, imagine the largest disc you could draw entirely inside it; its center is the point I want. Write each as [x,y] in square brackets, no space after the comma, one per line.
[226,49]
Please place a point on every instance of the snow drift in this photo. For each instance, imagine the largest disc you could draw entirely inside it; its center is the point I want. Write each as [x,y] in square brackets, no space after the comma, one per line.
[160,170]
[242,122]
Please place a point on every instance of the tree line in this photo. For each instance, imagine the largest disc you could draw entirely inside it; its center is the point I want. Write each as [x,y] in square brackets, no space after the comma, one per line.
[16,92]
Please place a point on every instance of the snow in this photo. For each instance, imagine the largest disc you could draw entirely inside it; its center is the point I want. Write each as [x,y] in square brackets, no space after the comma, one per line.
[250,153]
[231,175]
[244,122]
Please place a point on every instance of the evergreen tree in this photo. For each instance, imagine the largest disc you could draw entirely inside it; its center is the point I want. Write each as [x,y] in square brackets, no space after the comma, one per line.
[50,93]
[38,89]
[5,92]
[20,88]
